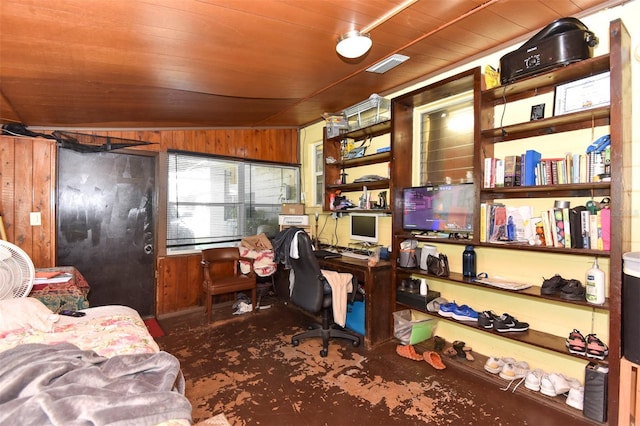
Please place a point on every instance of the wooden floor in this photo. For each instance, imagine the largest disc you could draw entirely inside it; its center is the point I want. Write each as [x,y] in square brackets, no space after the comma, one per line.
[463,396]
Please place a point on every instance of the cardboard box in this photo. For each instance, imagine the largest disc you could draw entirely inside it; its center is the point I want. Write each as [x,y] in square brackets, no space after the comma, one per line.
[293,209]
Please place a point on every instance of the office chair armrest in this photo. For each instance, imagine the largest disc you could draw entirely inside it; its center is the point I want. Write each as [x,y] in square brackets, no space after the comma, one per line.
[353,296]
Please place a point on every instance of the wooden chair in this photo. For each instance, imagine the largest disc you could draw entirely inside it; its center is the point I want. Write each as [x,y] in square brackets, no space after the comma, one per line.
[222,275]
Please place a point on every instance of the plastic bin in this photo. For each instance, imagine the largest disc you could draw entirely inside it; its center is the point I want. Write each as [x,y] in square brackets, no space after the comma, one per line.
[367,113]
[411,327]
[355,317]
[631,306]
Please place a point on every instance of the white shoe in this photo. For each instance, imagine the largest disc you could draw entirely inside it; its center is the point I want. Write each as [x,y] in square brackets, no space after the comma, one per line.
[532,381]
[494,364]
[554,384]
[572,382]
[575,398]
[514,370]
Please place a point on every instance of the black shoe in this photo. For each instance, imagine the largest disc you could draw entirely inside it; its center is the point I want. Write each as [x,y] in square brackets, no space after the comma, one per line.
[506,323]
[485,319]
[573,290]
[553,285]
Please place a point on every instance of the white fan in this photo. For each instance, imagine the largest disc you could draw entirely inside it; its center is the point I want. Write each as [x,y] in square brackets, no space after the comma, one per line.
[16,271]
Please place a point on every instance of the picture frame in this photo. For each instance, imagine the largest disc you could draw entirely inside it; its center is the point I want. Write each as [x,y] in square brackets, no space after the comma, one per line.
[587,93]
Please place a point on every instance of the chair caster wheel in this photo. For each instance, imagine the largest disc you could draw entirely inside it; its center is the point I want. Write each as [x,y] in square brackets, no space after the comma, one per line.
[323,353]
[356,343]
[295,342]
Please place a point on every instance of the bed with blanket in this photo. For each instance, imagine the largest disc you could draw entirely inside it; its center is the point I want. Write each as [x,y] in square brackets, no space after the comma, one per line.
[100,369]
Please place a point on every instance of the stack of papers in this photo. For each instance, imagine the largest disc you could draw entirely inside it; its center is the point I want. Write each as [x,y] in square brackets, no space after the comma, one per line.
[44,277]
[503,283]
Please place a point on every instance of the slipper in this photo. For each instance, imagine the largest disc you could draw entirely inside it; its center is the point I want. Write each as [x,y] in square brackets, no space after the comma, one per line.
[467,353]
[408,352]
[450,352]
[438,343]
[434,360]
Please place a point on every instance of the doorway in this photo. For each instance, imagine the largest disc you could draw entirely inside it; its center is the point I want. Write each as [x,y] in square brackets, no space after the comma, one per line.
[106,225]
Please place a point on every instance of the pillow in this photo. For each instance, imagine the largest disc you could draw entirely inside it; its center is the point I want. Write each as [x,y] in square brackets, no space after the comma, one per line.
[26,312]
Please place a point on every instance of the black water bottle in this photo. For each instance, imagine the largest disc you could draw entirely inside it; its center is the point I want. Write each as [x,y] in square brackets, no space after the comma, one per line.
[469,262]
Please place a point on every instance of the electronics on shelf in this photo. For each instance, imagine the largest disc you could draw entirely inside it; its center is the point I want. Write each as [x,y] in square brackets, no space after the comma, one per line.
[439,208]
[364,227]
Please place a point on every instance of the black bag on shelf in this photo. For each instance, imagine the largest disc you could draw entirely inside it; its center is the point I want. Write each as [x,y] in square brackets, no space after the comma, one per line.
[438,266]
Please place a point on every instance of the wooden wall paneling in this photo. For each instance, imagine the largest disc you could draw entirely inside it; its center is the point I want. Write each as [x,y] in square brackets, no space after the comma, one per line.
[23,194]
[191,282]
[44,181]
[166,287]
[7,182]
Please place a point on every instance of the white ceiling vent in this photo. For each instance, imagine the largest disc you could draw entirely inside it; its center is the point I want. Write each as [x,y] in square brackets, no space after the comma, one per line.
[388,63]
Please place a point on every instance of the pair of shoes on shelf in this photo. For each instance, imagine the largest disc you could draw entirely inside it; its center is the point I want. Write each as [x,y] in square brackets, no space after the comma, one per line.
[494,364]
[502,324]
[462,350]
[410,285]
[554,384]
[567,289]
[590,346]
[458,312]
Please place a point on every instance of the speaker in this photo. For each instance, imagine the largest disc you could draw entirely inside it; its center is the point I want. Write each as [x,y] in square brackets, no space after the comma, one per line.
[427,250]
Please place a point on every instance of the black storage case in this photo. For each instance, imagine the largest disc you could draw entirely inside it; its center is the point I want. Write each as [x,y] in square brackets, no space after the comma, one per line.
[560,43]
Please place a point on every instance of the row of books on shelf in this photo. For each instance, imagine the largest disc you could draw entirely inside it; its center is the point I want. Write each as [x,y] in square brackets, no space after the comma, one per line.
[563,227]
[531,169]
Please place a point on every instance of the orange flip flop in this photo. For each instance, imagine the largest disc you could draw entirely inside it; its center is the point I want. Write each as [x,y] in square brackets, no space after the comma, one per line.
[408,351]
[434,360]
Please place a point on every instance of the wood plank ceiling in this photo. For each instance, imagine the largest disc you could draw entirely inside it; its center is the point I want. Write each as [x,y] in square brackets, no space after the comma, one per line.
[234,63]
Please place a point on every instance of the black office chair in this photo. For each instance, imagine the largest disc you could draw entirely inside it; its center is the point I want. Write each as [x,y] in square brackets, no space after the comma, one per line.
[312,292]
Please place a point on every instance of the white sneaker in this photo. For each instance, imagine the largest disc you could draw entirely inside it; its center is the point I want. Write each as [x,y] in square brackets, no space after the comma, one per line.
[514,370]
[532,381]
[494,364]
[575,398]
[554,384]
[572,382]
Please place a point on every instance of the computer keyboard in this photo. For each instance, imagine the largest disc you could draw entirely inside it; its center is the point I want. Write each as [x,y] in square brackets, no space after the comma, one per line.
[354,255]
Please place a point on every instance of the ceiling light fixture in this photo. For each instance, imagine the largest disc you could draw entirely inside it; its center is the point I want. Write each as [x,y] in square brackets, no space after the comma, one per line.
[353,44]
[356,43]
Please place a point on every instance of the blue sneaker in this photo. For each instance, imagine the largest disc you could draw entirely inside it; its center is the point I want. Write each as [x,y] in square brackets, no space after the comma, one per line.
[464,313]
[447,309]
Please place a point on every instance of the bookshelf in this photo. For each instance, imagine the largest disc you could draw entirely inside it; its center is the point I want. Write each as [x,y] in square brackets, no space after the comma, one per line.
[491,139]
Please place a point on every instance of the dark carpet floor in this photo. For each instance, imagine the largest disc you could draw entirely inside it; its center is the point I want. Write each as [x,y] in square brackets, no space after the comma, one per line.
[245,367]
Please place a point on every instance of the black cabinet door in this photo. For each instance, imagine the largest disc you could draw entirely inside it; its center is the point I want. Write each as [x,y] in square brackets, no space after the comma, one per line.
[106,225]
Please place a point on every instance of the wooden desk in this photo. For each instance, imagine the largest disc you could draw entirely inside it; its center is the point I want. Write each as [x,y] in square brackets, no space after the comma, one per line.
[378,326]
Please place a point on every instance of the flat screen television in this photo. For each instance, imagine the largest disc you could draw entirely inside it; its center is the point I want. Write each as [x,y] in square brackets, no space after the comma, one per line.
[364,228]
[439,208]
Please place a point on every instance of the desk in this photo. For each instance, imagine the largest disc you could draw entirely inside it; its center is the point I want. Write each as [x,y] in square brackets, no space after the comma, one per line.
[68,295]
[377,302]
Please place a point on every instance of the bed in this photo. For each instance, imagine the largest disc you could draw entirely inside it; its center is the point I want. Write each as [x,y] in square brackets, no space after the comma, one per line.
[100,369]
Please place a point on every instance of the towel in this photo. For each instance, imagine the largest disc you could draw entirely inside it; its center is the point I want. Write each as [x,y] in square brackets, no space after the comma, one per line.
[341,285]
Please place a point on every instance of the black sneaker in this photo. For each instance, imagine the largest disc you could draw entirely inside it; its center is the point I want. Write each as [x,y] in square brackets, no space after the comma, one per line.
[553,285]
[485,319]
[506,323]
[573,290]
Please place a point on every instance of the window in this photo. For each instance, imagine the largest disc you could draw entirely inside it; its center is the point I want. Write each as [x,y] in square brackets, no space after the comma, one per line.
[214,201]
[446,139]
[317,161]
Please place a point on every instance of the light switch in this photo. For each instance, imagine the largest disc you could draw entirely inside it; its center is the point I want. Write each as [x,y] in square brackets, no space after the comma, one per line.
[35,219]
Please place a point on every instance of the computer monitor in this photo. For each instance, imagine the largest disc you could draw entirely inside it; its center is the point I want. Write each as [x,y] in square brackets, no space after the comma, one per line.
[364,228]
[439,208]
